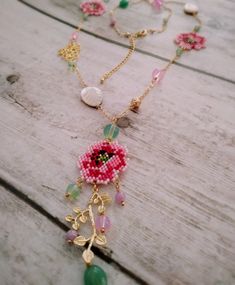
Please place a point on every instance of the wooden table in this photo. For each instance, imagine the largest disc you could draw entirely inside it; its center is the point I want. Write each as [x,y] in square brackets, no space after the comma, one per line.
[178,226]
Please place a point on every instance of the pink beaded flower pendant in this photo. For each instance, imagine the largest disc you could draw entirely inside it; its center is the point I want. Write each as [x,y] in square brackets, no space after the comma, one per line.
[101,164]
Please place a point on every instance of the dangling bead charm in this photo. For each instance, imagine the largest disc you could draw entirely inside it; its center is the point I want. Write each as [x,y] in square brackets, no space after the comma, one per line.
[95,275]
[71,235]
[120,198]
[102,163]
[72,191]
[102,223]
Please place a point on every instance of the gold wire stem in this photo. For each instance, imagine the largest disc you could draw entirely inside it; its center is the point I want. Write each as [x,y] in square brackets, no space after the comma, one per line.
[98,200]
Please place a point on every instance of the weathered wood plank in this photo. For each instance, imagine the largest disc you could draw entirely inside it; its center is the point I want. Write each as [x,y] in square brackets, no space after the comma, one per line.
[217,16]
[179,223]
[32,250]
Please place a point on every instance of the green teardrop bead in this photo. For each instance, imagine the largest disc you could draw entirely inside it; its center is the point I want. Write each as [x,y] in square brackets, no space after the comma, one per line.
[111,131]
[123,4]
[95,275]
[73,191]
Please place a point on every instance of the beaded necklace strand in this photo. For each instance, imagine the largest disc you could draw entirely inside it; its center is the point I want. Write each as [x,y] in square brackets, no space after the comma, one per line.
[106,159]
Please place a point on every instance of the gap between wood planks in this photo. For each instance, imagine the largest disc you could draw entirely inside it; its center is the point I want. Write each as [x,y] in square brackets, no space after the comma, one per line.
[123,45]
[23,197]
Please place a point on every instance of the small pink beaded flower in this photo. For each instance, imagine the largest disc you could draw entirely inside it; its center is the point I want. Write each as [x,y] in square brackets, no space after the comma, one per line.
[102,162]
[95,7]
[188,41]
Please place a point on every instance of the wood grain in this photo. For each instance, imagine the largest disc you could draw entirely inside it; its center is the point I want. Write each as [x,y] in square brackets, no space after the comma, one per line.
[33,251]
[178,226]
[218,27]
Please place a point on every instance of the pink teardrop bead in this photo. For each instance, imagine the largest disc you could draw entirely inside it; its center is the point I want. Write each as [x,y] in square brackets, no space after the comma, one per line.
[120,197]
[102,223]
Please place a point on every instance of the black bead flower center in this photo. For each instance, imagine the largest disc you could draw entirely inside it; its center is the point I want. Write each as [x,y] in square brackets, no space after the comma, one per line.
[101,156]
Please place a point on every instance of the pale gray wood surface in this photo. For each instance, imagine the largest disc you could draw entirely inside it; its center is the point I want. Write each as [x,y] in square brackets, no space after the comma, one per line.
[218,27]
[33,250]
[178,226]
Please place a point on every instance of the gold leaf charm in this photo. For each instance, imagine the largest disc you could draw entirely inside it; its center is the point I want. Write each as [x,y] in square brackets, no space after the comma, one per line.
[70,52]
[101,209]
[96,201]
[83,219]
[80,240]
[75,226]
[69,218]
[88,256]
[76,210]
[101,239]
[106,198]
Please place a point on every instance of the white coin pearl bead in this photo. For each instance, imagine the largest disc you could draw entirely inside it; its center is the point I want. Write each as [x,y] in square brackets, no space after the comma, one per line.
[190,9]
[92,96]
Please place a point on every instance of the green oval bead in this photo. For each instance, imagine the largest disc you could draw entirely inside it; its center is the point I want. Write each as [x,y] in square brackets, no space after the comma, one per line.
[123,4]
[73,191]
[111,131]
[95,275]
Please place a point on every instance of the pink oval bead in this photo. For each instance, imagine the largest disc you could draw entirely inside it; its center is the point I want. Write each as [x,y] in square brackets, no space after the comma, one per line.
[74,36]
[112,23]
[102,223]
[157,75]
[120,197]
[71,235]
[157,4]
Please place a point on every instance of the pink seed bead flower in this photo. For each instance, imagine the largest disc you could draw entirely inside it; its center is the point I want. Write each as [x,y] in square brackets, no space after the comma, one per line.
[189,41]
[93,8]
[102,162]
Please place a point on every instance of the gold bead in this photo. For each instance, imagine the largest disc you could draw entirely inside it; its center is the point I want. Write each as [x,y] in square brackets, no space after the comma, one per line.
[141,34]
[127,35]
[135,104]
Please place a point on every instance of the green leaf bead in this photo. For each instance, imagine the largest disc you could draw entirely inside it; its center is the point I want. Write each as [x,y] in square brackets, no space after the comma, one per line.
[123,4]
[71,66]
[179,51]
[111,131]
[72,191]
[95,275]
[196,29]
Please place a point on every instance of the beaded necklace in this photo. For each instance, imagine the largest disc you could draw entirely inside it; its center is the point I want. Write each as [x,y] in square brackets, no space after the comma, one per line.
[105,160]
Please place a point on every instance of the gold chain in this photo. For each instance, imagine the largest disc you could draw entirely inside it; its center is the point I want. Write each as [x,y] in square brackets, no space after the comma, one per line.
[136,102]
[126,58]
[132,37]
[143,32]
